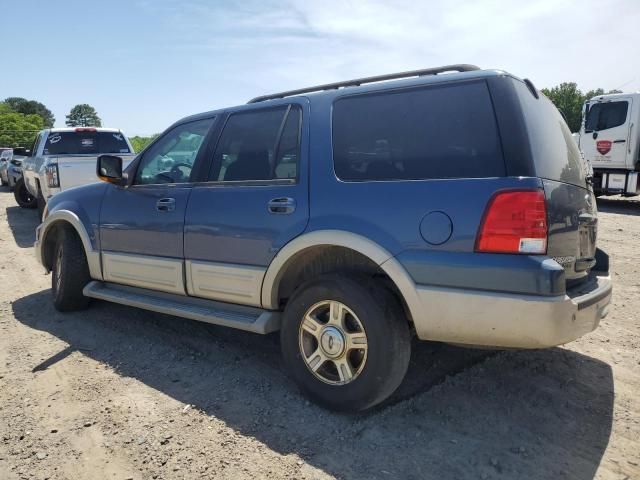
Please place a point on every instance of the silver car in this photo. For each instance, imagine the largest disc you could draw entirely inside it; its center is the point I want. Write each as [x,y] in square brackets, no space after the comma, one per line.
[5,158]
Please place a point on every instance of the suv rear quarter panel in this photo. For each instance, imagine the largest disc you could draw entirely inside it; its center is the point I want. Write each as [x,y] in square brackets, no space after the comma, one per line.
[390,212]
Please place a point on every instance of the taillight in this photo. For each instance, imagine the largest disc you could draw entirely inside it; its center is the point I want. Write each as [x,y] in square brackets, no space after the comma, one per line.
[53,179]
[85,129]
[514,222]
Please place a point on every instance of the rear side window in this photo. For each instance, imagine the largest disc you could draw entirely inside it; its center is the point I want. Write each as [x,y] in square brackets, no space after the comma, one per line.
[259,145]
[89,143]
[555,152]
[602,116]
[441,131]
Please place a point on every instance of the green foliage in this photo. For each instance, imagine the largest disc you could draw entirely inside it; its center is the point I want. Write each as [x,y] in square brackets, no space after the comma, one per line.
[30,107]
[139,143]
[4,108]
[83,115]
[568,98]
[18,129]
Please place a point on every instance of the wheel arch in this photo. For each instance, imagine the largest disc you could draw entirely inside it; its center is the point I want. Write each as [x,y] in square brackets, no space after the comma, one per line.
[61,219]
[365,250]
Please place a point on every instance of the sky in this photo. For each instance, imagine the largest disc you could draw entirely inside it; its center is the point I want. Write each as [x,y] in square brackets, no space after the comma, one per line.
[144,64]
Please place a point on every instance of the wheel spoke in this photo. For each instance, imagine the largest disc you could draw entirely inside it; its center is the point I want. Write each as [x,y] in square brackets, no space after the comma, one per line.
[345,372]
[356,341]
[337,313]
[340,339]
[311,325]
[316,359]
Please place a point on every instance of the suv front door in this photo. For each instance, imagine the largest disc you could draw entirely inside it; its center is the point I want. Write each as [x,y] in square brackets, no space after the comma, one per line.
[254,202]
[141,225]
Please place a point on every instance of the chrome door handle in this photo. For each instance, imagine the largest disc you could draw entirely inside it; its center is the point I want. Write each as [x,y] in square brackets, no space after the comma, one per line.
[282,206]
[166,205]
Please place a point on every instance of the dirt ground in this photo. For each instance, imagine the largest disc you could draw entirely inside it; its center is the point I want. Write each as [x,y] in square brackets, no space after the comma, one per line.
[120,393]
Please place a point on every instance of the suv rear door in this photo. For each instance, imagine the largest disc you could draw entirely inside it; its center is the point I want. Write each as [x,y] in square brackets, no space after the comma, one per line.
[254,201]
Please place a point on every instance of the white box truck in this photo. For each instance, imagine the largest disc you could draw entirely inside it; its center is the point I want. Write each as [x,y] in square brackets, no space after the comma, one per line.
[610,140]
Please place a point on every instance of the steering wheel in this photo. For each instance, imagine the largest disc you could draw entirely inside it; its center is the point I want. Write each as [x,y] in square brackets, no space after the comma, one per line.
[176,173]
[176,168]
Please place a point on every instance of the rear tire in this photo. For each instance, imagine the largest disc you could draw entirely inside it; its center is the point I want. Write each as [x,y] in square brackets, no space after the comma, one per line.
[70,273]
[351,360]
[23,198]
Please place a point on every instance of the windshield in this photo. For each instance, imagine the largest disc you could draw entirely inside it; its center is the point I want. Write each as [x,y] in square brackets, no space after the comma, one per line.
[601,116]
[88,143]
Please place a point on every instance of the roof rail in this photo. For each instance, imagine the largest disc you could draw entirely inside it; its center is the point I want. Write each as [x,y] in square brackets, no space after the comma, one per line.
[359,81]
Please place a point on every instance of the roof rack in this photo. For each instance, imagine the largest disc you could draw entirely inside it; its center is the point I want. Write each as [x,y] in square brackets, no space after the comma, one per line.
[359,81]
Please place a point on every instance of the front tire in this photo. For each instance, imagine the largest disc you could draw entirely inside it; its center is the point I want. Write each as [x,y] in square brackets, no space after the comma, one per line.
[345,341]
[23,198]
[70,273]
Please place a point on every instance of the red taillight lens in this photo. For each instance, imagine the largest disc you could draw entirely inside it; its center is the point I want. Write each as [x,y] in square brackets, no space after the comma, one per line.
[85,129]
[514,222]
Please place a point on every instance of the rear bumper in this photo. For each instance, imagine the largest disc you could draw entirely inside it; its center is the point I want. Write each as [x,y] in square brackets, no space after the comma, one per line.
[512,320]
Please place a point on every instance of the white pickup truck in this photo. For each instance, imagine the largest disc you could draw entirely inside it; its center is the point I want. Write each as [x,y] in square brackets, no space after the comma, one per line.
[66,157]
[610,140]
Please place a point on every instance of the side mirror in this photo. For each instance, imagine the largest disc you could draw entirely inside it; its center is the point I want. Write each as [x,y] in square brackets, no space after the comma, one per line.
[109,169]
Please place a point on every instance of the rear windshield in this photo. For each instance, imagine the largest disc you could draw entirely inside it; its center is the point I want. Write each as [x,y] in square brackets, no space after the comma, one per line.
[439,131]
[91,143]
[555,152]
[601,116]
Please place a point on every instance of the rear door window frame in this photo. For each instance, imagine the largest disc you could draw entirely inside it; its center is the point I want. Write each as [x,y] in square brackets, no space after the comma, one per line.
[215,164]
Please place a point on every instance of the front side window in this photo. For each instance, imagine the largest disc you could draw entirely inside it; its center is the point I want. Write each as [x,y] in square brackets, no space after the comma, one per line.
[443,131]
[259,145]
[170,159]
[601,116]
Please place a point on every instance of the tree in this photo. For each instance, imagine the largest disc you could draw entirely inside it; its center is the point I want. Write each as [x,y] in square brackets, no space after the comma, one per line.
[18,129]
[138,143]
[31,107]
[83,115]
[593,93]
[568,99]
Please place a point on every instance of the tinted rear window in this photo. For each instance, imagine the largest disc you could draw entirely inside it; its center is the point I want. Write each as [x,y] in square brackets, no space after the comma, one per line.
[440,131]
[555,152]
[76,143]
[602,116]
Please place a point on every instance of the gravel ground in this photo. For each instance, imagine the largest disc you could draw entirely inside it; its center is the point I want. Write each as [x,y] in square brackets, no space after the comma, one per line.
[120,393]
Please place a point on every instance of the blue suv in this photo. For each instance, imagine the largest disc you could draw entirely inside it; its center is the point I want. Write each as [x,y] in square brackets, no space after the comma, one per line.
[450,204]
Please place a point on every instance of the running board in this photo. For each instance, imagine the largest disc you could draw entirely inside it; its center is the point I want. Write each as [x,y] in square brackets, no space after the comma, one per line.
[249,319]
